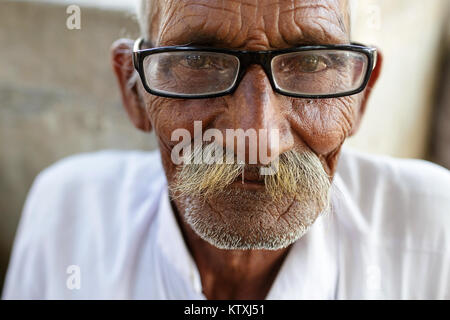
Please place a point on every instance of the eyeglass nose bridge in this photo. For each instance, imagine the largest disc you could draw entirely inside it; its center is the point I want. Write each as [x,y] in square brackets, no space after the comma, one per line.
[249,58]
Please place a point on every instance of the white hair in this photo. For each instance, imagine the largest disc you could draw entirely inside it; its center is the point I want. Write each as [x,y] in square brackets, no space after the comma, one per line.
[352,7]
[144,12]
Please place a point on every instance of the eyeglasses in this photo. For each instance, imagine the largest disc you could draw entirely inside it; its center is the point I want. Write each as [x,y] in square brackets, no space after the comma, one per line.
[320,71]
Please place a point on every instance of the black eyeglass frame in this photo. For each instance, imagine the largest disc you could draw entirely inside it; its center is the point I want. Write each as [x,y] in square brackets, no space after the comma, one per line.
[247,58]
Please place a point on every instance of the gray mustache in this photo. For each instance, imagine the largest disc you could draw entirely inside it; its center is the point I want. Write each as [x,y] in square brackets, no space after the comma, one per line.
[299,174]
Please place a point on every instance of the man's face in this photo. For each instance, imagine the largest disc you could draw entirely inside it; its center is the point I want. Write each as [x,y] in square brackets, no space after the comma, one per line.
[246,215]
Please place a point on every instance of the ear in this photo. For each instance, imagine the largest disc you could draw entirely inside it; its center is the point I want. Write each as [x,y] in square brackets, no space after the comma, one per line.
[122,62]
[366,93]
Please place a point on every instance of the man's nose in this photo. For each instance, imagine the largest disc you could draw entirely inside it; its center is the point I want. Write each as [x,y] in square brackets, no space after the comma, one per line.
[255,107]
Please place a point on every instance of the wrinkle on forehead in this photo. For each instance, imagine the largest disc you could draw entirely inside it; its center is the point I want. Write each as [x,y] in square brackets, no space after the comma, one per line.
[252,24]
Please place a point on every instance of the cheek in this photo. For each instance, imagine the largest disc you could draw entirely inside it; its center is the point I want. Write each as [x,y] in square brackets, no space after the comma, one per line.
[324,124]
[168,115]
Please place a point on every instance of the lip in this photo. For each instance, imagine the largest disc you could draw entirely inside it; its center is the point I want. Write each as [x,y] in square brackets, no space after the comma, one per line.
[248,184]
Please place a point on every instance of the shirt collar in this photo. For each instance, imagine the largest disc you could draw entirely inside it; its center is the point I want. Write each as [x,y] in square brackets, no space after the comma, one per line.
[310,270]
[171,243]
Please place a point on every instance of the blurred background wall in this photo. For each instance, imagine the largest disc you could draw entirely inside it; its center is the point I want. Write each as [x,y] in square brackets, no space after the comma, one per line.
[58,95]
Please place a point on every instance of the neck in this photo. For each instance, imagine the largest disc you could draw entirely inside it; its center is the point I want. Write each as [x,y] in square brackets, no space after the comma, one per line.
[232,274]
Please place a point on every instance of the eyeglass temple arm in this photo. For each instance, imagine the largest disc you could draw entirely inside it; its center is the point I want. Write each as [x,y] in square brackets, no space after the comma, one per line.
[136,48]
[375,58]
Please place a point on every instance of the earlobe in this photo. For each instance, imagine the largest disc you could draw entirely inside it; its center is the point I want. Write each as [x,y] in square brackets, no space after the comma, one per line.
[366,93]
[122,63]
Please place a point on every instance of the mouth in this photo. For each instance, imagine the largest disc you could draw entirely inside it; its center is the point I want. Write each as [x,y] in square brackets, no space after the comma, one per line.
[250,178]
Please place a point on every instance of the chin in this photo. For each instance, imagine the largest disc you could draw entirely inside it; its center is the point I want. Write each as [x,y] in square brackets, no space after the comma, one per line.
[247,218]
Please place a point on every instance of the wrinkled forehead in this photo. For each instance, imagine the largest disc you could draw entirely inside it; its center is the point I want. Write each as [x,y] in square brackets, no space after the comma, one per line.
[248,24]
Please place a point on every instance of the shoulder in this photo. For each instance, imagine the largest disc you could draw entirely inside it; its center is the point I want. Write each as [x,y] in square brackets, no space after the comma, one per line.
[409,177]
[90,210]
[399,196]
[94,184]
[103,187]
[102,167]
[395,217]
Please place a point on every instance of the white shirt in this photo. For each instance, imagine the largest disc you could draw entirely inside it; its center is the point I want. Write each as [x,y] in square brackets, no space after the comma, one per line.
[100,226]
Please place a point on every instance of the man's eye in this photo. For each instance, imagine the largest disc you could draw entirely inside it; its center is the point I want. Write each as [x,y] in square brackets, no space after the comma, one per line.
[196,61]
[311,63]
[305,63]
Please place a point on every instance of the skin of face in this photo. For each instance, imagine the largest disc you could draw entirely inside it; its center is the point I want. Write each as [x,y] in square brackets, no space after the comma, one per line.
[319,125]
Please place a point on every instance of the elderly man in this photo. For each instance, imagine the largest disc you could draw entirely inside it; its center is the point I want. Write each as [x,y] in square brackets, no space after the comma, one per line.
[291,216]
